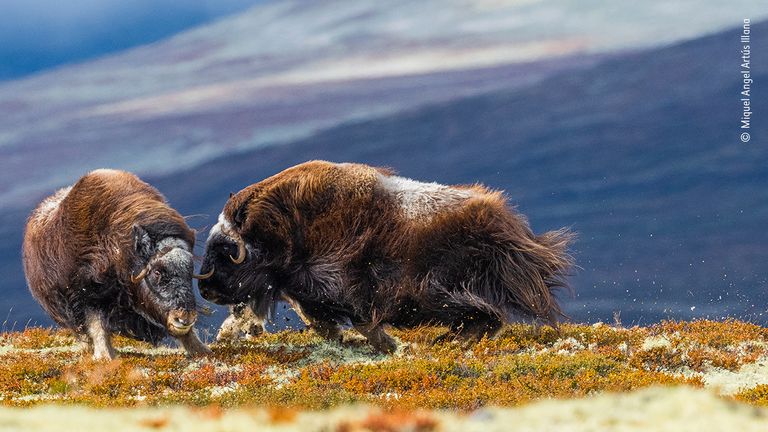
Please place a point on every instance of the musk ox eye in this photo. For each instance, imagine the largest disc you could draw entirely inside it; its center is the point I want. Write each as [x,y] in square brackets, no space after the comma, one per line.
[156,274]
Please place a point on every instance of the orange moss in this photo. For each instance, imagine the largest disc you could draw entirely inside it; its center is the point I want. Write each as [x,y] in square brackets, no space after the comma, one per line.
[657,358]
[154,423]
[280,371]
[281,414]
[210,412]
[714,334]
[757,395]
[38,337]
[392,422]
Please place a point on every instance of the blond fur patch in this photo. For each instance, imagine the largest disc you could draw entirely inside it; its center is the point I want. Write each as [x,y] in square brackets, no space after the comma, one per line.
[420,200]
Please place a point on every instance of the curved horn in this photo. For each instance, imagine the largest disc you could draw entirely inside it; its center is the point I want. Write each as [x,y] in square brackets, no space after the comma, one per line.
[205,310]
[204,276]
[139,277]
[240,252]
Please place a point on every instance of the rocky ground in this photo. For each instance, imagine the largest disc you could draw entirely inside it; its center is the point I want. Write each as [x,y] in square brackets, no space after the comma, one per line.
[699,375]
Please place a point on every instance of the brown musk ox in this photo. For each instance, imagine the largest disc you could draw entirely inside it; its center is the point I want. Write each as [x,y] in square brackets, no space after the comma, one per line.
[109,255]
[350,243]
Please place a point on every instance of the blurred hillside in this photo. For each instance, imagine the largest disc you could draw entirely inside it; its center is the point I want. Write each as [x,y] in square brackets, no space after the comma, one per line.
[639,154]
[633,146]
[41,34]
[285,70]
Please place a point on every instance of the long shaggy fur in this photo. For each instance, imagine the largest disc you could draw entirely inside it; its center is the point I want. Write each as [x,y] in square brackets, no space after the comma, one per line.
[79,252]
[349,242]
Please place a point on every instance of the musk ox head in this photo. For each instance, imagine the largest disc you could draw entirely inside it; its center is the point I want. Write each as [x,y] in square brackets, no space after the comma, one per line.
[164,281]
[229,259]
[240,270]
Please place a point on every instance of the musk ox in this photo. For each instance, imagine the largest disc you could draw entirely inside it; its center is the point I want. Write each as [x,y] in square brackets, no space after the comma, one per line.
[350,243]
[108,255]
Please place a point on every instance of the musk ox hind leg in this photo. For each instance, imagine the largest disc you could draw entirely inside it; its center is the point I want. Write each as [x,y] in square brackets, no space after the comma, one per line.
[327,329]
[472,329]
[98,332]
[377,337]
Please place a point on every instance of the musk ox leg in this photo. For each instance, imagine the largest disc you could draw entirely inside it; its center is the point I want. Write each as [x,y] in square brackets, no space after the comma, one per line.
[241,323]
[98,331]
[193,345]
[85,343]
[377,337]
[326,329]
[471,330]
[129,323]
[476,329]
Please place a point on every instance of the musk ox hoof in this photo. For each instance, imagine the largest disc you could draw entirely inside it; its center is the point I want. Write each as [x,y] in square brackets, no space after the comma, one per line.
[443,338]
[387,346]
[103,354]
[193,345]
[378,338]
[200,351]
[327,331]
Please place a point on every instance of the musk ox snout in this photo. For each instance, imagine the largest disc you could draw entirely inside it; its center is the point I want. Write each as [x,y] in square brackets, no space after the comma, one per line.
[226,257]
[205,285]
[180,322]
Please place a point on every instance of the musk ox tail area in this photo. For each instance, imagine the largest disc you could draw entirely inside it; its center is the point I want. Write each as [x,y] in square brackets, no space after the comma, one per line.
[534,268]
[485,265]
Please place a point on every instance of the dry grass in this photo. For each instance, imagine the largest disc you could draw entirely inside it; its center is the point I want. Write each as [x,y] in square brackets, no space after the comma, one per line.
[288,371]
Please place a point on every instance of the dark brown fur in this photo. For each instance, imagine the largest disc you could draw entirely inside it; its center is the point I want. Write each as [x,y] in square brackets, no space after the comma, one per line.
[334,240]
[81,255]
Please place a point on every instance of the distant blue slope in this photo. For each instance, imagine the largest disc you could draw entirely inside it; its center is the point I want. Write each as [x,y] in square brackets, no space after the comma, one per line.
[40,34]
[640,155]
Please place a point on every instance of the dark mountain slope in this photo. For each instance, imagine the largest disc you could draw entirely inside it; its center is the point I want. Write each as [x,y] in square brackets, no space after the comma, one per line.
[640,155]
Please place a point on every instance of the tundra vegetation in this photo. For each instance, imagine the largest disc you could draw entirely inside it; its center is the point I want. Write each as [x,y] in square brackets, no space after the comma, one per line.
[288,372]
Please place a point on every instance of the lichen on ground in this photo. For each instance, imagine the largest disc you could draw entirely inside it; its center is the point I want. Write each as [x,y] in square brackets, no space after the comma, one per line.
[300,371]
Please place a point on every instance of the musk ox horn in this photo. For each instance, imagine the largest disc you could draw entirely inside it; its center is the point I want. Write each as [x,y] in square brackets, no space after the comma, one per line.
[205,310]
[139,277]
[240,252]
[204,276]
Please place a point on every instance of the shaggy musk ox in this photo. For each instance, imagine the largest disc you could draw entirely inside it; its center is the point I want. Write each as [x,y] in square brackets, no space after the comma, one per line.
[349,243]
[109,255]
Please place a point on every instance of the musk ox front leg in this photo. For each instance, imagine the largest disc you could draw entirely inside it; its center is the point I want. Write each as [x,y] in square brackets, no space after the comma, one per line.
[193,345]
[377,337]
[328,330]
[98,332]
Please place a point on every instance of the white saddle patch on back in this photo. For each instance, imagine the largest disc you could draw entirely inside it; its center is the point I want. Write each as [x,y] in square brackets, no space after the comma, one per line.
[422,200]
